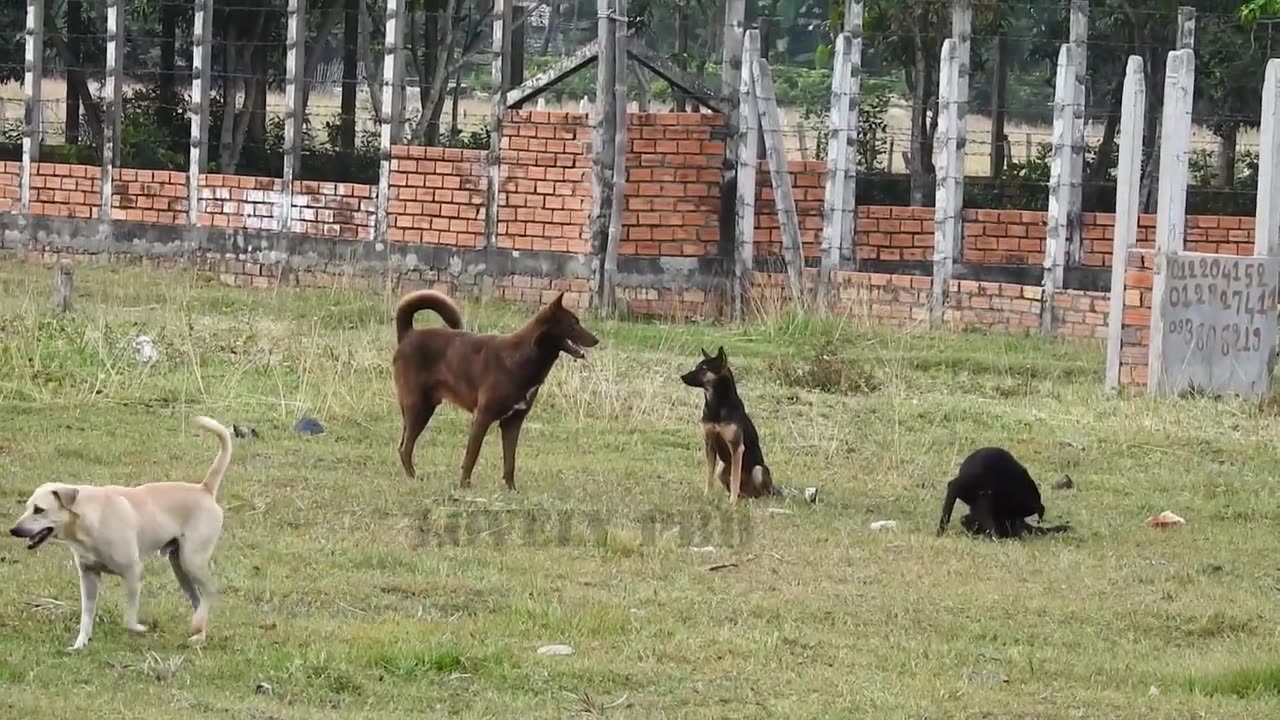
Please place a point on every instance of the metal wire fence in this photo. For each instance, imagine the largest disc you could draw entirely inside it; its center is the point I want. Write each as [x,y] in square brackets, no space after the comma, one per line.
[450,80]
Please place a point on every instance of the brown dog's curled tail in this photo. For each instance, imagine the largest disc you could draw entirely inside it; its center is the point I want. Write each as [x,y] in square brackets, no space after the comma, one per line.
[437,302]
[214,477]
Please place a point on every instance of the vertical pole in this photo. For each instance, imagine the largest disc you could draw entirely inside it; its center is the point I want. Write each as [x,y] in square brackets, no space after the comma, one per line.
[1185,39]
[519,23]
[1267,225]
[748,124]
[63,286]
[946,157]
[604,133]
[1059,218]
[852,25]
[780,178]
[493,169]
[1171,200]
[1079,39]
[111,108]
[682,50]
[962,31]
[295,42]
[389,119]
[32,111]
[1133,112]
[732,40]
[201,67]
[500,13]
[1186,28]
[835,216]
[618,199]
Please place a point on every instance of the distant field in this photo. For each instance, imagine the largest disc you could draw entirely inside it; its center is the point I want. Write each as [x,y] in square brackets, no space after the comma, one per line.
[342,595]
[475,111]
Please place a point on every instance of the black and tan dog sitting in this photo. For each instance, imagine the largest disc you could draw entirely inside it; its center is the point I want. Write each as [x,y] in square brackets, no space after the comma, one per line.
[1000,494]
[729,437]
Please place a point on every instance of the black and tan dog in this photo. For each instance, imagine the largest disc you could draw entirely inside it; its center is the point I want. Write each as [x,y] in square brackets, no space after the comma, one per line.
[494,377]
[1000,494]
[728,434]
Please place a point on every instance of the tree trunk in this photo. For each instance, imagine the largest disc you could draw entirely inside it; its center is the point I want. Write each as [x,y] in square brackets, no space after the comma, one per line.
[229,95]
[1102,163]
[240,64]
[453,110]
[1151,133]
[440,56]
[372,67]
[1225,177]
[553,25]
[920,149]
[999,85]
[431,42]
[350,78]
[331,13]
[642,87]
[682,52]
[75,29]
[258,108]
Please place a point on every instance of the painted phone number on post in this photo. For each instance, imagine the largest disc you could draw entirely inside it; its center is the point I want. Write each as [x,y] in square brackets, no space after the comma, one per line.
[1226,287]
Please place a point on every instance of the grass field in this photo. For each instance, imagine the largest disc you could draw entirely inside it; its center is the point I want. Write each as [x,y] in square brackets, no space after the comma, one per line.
[339,592]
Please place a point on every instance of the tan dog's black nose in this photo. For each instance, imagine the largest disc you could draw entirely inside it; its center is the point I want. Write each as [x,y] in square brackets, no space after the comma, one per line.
[15,531]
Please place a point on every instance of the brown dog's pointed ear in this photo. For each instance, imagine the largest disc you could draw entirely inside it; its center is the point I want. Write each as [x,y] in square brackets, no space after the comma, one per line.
[66,496]
[559,301]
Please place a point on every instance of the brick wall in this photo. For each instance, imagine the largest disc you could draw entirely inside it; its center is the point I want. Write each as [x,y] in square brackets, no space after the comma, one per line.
[673,184]
[1135,326]
[863,296]
[545,199]
[240,202]
[10,191]
[149,196]
[326,209]
[673,204]
[994,305]
[1004,237]
[1081,313]
[894,233]
[808,186]
[437,196]
[61,190]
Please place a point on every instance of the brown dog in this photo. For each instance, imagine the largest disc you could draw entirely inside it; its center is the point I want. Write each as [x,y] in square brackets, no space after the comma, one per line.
[494,377]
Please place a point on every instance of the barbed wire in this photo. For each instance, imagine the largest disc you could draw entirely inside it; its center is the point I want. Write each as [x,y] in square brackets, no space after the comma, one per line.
[1026,122]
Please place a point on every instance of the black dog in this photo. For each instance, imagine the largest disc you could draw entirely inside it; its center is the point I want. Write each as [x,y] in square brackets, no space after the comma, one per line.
[728,434]
[1000,494]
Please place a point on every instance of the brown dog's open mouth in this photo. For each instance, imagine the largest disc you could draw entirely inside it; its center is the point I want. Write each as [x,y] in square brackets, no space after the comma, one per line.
[38,539]
[574,350]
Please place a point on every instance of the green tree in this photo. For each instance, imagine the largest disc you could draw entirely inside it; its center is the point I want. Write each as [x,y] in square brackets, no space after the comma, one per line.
[908,35]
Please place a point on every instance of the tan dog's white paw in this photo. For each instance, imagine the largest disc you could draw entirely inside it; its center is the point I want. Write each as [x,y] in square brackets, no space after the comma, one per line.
[77,646]
[197,639]
[136,629]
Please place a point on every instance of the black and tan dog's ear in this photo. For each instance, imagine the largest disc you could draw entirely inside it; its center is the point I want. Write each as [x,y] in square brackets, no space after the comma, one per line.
[705,355]
[66,496]
[720,355]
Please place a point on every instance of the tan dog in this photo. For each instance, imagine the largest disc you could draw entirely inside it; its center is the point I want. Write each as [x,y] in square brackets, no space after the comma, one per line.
[113,529]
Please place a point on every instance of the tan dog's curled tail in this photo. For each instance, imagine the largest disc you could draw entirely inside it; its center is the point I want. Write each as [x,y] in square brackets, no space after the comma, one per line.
[219,468]
[437,302]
